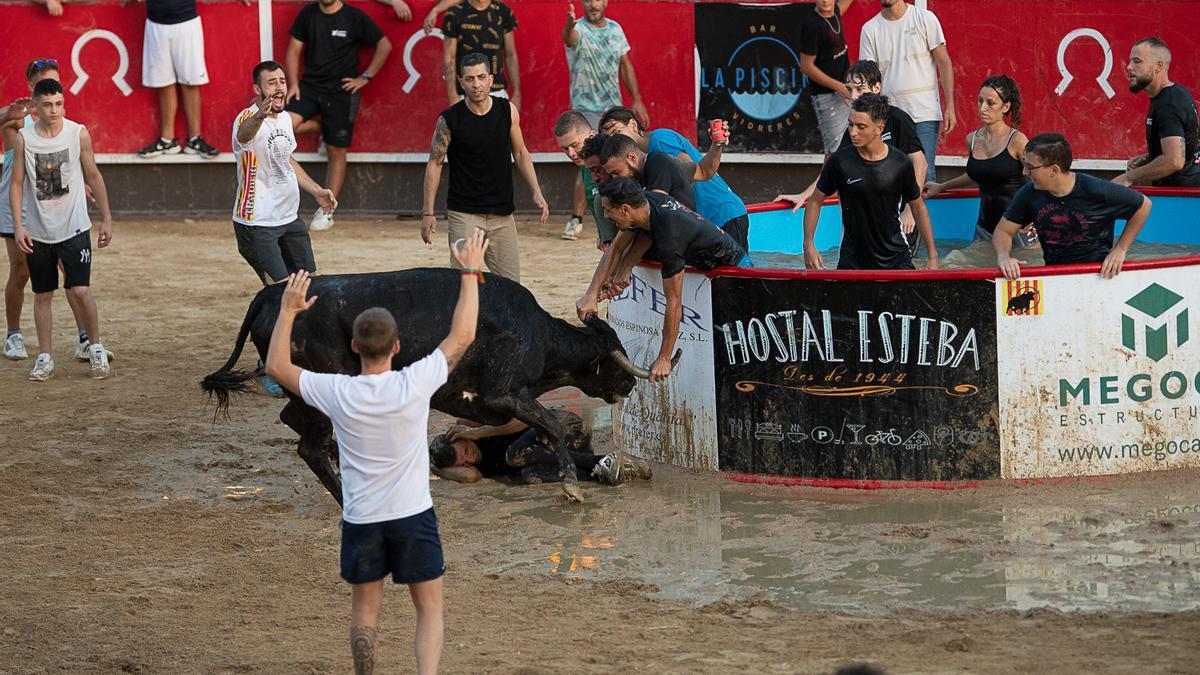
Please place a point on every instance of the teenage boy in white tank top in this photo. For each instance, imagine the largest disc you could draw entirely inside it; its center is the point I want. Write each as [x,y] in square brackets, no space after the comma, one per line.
[50,219]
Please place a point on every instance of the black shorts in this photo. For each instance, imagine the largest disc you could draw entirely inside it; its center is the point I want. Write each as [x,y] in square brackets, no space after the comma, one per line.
[7,235]
[75,254]
[409,548]
[275,252]
[739,230]
[338,110]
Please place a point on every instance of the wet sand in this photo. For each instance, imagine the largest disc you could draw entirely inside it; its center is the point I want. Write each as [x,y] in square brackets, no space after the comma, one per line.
[140,536]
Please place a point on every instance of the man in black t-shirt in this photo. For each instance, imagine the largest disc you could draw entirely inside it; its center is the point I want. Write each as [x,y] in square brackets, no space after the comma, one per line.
[621,157]
[1172,127]
[482,27]
[465,454]
[873,181]
[899,131]
[1074,213]
[677,236]
[481,135]
[824,59]
[328,34]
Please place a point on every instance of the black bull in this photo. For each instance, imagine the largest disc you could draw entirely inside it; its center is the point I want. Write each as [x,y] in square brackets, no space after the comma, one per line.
[520,352]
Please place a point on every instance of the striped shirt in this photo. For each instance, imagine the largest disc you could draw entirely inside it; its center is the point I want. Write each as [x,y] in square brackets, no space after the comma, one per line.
[267,193]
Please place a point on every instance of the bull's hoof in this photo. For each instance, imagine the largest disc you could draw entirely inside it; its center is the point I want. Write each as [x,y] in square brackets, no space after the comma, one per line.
[573,493]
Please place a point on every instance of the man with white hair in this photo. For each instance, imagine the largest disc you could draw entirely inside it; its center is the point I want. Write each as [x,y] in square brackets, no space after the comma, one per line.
[1172,156]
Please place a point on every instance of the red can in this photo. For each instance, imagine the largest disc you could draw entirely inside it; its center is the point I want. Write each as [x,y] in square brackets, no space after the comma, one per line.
[716,131]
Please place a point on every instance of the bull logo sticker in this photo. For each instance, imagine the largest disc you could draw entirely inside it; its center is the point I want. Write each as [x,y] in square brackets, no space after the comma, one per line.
[1024,297]
[1157,321]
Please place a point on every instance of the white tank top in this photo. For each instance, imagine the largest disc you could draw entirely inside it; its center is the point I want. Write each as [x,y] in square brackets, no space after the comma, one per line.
[267,194]
[6,221]
[54,205]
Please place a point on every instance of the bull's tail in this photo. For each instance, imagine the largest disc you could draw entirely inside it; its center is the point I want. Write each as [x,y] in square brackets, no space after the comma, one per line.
[229,380]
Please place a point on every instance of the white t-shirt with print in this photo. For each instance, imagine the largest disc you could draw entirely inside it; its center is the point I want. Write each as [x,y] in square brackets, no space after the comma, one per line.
[267,193]
[380,422]
[902,48]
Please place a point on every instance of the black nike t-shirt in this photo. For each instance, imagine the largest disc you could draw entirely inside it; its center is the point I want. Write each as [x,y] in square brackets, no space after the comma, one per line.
[1077,228]
[663,172]
[331,43]
[481,31]
[1173,113]
[826,40]
[681,237]
[899,131]
[872,195]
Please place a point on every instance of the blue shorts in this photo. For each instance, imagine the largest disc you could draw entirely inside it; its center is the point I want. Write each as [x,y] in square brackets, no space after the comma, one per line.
[409,548]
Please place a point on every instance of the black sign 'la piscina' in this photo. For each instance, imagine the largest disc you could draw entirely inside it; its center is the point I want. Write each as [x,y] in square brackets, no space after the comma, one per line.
[750,76]
[856,379]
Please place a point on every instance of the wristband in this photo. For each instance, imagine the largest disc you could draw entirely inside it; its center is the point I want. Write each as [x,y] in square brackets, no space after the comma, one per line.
[478,274]
[426,214]
[365,76]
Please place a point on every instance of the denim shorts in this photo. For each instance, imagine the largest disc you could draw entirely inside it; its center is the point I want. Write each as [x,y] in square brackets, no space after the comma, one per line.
[833,115]
[408,548]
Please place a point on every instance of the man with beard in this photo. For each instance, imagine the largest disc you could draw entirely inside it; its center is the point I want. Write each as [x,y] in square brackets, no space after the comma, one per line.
[1172,128]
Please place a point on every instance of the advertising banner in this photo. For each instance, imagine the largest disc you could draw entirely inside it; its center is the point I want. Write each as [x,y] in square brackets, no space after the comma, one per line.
[1099,376]
[856,379]
[673,421]
[750,77]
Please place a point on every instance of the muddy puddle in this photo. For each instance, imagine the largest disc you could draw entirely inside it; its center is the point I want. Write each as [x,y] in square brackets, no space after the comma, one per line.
[1113,544]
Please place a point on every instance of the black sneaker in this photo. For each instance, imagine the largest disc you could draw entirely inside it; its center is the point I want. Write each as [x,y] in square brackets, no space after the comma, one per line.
[159,147]
[198,146]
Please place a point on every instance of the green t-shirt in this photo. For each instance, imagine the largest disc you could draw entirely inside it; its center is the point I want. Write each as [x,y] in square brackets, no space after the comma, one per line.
[591,192]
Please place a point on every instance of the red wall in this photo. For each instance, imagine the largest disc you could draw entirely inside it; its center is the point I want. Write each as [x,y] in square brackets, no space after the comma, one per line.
[1018,37]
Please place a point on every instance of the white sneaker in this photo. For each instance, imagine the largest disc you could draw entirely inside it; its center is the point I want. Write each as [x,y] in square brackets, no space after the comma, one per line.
[321,221]
[99,361]
[43,368]
[574,226]
[83,352]
[14,348]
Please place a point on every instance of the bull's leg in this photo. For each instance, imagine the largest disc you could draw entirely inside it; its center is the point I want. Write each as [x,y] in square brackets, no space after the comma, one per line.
[551,435]
[316,441]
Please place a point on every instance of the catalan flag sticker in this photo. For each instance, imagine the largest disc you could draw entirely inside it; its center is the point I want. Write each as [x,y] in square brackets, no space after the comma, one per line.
[1023,297]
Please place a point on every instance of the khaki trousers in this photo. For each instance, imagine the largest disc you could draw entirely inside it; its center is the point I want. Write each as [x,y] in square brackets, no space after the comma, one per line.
[503,256]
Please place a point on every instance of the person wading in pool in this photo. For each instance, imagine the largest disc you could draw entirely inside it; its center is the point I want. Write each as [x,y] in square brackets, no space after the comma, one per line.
[899,131]
[874,181]
[994,155]
[1172,157]
[1074,213]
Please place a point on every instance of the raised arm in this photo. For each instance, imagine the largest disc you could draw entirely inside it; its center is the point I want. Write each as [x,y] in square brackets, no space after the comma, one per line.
[570,35]
[93,179]
[466,311]
[433,178]
[279,366]
[524,161]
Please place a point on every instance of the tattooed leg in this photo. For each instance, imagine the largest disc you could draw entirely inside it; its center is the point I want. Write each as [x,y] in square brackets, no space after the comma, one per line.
[363,640]
[365,602]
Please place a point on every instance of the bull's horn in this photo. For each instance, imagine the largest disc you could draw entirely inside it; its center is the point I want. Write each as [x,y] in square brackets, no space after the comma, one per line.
[638,371]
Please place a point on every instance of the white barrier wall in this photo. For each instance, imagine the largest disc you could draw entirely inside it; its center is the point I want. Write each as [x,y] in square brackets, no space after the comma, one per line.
[1099,376]
[673,422]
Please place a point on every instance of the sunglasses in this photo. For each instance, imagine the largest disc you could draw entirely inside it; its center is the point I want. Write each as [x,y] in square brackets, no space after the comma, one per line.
[42,63]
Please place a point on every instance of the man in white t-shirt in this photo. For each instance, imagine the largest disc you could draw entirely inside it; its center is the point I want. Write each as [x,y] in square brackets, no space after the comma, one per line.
[380,419]
[270,236]
[908,44]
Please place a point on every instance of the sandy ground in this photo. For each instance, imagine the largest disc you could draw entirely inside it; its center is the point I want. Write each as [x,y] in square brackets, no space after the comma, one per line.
[138,536]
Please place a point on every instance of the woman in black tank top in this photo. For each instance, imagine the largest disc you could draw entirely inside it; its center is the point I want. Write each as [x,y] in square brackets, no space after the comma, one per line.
[995,153]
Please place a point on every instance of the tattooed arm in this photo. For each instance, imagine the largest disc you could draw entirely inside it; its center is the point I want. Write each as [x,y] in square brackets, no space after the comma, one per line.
[433,177]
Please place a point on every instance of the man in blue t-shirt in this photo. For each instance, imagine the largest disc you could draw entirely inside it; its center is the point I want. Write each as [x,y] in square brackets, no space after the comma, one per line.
[714,198]
[1074,213]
